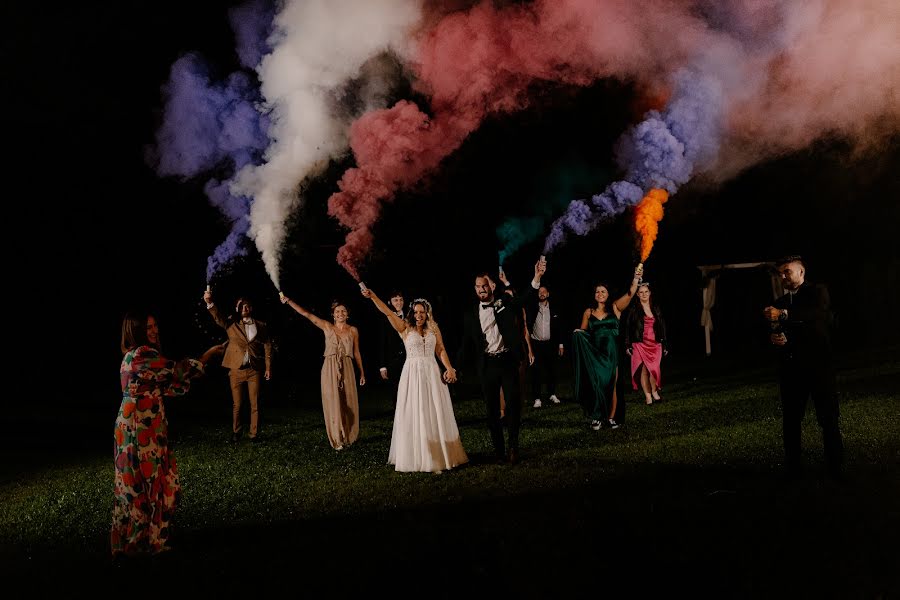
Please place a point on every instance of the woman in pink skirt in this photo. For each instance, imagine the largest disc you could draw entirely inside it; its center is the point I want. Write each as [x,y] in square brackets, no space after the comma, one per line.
[645,342]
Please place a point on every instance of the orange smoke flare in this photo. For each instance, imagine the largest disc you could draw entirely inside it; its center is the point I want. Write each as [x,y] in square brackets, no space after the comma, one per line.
[648,213]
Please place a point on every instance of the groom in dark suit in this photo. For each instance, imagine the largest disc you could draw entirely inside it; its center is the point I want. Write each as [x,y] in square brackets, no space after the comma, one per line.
[492,337]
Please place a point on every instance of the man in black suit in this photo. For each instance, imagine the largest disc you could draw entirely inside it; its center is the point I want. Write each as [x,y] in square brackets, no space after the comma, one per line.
[546,343]
[492,336]
[800,323]
[391,351]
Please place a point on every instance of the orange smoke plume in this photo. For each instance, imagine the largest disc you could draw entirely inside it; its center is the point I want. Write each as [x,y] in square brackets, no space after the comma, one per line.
[648,213]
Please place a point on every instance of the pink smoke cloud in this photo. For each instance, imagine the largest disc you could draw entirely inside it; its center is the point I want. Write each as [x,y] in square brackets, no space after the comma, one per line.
[835,73]
[482,61]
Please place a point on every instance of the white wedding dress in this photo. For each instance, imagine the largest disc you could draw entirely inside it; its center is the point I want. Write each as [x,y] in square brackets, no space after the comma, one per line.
[425,436]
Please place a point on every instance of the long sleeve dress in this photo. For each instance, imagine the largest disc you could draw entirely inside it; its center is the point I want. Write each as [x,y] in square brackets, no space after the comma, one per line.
[146,485]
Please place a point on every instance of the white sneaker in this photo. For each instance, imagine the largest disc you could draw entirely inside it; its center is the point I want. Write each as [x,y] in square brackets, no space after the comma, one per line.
[595,425]
[537,403]
[554,399]
[613,424]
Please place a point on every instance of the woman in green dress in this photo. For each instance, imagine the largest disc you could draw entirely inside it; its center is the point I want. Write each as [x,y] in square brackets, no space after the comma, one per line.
[596,358]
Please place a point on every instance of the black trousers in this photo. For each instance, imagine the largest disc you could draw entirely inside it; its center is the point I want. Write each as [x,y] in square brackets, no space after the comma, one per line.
[798,383]
[546,354]
[502,372]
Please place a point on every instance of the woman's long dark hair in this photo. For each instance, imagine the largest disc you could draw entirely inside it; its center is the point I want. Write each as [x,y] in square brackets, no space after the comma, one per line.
[634,319]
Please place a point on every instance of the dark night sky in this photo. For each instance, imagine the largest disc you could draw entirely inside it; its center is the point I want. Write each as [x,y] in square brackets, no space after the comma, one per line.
[102,232]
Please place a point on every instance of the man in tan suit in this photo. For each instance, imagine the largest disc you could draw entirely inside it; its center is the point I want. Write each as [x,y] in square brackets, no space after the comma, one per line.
[249,353]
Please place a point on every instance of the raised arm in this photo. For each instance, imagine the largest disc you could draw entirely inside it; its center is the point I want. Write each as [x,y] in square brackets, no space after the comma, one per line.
[320,323]
[441,351]
[622,303]
[540,267]
[214,310]
[396,322]
[529,294]
[357,356]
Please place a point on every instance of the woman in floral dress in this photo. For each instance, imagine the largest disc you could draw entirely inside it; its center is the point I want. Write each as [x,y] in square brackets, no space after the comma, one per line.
[146,480]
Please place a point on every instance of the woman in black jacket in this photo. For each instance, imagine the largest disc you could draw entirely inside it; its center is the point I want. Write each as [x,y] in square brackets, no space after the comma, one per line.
[645,342]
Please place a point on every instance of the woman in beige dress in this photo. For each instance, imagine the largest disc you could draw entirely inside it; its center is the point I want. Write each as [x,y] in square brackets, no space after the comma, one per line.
[340,402]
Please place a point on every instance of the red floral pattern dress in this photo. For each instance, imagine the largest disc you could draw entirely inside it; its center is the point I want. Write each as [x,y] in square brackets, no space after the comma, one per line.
[146,481]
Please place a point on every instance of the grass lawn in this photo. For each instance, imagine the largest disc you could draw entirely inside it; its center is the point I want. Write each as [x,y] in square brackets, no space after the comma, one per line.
[686,498]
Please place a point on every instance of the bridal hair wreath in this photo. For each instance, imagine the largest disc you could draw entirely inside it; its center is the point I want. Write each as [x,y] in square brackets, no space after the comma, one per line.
[412,305]
[424,302]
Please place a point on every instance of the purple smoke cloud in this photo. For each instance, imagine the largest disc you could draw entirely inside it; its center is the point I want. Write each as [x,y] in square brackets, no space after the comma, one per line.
[216,126]
[206,124]
[662,151]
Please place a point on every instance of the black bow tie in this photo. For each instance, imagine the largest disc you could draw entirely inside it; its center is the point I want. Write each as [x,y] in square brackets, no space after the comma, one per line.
[490,305]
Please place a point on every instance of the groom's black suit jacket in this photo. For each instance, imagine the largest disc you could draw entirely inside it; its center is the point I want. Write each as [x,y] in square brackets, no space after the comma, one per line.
[508,312]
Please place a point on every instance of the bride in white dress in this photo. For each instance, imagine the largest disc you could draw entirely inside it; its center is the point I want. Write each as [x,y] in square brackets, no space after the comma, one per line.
[425,436]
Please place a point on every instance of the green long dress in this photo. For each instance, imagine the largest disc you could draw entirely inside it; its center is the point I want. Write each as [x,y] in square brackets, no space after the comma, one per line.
[596,360]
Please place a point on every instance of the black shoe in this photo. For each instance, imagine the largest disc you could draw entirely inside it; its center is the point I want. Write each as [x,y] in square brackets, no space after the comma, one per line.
[235,437]
[513,456]
[254,439]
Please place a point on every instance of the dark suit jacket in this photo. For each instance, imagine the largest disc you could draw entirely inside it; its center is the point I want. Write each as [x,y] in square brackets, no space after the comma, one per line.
[508,312]
[260,349]
[390,347]
[556,327]
[808,326]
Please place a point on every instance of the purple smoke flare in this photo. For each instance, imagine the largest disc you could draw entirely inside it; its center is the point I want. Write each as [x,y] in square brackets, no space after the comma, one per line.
[235,245]
[216,126]
[662,151]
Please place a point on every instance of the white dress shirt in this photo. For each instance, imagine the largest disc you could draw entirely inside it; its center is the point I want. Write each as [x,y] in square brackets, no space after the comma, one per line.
[490,329]
[250,328]
[541,329]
